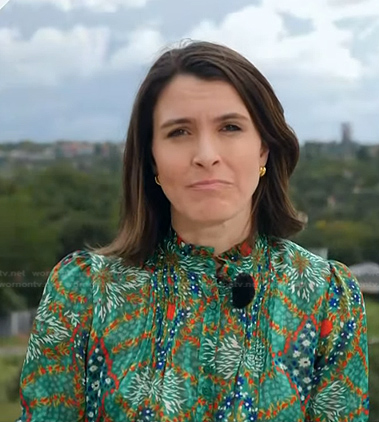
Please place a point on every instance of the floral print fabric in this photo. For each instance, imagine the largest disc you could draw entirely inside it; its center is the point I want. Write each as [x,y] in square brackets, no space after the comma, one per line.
[162,342]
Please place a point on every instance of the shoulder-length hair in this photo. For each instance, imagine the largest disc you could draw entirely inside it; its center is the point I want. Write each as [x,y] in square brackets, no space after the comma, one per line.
[145,210]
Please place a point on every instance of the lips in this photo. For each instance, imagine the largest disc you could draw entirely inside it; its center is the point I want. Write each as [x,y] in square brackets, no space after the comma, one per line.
[210,182]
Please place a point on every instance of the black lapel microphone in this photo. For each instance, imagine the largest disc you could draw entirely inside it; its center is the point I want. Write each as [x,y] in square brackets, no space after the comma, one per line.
[243,290]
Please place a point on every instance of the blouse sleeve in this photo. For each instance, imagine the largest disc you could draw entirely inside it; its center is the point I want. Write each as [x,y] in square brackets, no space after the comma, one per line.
[52,384]
[340,382]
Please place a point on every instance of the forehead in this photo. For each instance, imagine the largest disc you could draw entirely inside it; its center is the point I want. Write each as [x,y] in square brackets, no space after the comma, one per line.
[187,94]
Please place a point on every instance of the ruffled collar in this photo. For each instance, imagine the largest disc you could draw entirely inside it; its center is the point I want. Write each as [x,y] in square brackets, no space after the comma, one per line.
[240,257]
[183,248]
[199,262]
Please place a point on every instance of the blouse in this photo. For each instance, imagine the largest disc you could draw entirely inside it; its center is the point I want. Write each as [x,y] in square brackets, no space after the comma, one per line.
[162,342]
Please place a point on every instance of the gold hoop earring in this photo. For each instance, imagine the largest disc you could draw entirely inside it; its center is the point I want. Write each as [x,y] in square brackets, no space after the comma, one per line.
[262,171]
[157,181]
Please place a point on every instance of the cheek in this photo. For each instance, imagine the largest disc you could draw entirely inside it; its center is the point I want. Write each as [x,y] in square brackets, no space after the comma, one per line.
[164,161]
[172,169]
[247,176]
[172,173]
[246,166]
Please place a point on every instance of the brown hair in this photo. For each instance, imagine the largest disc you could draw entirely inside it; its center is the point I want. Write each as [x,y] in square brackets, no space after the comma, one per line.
[146,215]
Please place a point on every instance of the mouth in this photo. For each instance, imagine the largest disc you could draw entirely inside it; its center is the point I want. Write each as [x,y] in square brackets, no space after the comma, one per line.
[209,183]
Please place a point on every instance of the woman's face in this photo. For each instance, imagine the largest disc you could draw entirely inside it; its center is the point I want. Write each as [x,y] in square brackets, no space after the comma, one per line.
[203,131]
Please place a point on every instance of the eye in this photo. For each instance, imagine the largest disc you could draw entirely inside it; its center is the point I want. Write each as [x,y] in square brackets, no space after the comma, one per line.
[176,132]
[231,128]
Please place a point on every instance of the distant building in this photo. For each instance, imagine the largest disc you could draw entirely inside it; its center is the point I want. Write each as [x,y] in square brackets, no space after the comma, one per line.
[323,252]
[373,150]
[17,323]
[367,274]
[318,149]
[346,135]
[345,149]
[348,147]
[22,155]
[71,149]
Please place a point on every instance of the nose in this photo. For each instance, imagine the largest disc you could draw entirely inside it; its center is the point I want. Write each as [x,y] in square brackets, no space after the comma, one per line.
[206,152]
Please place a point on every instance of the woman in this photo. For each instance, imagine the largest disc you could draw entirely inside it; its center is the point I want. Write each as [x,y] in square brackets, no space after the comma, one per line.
[201,309]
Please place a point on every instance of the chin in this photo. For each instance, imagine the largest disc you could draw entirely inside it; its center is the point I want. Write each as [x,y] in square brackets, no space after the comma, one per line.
[211,216]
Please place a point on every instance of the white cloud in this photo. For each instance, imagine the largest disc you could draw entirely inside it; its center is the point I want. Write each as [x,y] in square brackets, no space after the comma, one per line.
[51,55]
[141,47]
[3,3]
[259,33]
[340,9]
[100,6]
[316,74]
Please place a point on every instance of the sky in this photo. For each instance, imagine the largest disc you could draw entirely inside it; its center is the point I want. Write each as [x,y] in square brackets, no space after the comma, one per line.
[69,69]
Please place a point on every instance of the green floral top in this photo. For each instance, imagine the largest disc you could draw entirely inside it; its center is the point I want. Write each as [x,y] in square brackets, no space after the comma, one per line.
[162,342]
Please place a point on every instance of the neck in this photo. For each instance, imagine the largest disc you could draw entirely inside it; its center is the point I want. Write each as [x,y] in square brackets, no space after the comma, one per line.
[221,236]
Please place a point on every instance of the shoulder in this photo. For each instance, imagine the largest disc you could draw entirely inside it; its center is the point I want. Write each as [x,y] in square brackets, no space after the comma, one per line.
[344,285]
[288,255]
[74,263]
[81,275]
[70,279]
[287,252]
[307,275]
[91,264]
[107,270]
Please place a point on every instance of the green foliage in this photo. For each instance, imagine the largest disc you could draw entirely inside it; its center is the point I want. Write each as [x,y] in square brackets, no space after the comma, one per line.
[13,387]
[10,368]
[10,411]
[341,199]
[374,382]
[28,245]
[372,312]
[46,213]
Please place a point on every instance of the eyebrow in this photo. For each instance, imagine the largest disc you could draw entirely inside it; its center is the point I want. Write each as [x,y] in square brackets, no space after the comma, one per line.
[185,120]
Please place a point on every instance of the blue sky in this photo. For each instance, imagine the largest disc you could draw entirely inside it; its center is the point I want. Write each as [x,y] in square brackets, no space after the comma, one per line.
[69,69]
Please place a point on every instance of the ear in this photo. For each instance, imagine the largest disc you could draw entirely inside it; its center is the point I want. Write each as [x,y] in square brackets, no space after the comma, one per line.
[264,153]
[153,165]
